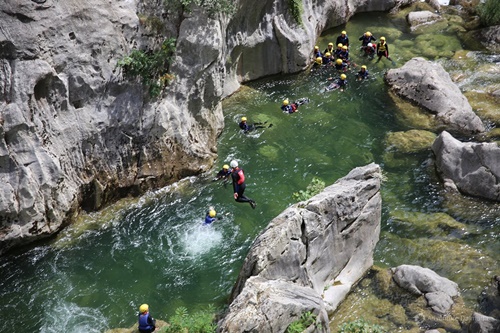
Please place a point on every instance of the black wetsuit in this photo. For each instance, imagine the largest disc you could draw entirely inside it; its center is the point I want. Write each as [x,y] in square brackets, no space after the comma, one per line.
[248,128]
[239,186]
[342,40]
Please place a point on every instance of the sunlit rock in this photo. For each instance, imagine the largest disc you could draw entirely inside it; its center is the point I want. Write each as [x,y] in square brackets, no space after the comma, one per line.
[429,85]
[473,167]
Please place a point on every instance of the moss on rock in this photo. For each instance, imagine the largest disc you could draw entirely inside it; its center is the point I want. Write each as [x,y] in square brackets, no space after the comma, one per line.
[412,141]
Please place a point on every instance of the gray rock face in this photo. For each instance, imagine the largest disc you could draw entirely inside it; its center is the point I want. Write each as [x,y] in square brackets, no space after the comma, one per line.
[430,86]
[473,168]
[309,257]
[490,38]
[73,133]
[437,290]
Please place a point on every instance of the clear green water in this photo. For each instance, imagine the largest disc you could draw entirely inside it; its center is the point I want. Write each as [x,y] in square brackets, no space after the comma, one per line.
[155,249]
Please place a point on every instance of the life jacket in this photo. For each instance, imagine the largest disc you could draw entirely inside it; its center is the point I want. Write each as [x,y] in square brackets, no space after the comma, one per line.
[294,107]
[381,47]
[143,322]
[241,176]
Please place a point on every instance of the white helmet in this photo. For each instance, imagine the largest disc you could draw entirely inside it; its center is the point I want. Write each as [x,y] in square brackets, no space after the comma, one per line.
[370,44]
[233,164]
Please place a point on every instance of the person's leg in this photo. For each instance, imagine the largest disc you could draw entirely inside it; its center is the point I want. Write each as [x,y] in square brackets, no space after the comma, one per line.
[243,198]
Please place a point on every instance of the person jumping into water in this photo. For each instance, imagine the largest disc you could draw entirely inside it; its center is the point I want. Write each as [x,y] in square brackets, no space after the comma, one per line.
[239,185]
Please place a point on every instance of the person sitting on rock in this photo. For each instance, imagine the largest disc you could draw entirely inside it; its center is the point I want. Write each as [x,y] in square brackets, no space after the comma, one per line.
[147,324]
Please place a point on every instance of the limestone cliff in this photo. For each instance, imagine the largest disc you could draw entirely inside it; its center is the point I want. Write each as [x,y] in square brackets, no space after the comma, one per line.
[309,257]
[74,134]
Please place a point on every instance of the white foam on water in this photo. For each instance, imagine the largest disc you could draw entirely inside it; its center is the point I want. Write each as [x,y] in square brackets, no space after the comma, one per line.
[69,317]
[200,239]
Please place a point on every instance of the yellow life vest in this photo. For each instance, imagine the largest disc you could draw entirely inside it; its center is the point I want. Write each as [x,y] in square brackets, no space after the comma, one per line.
[381,47]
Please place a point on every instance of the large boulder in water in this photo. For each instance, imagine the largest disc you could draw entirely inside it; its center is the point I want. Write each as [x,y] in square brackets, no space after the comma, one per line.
[430,86]
[473,168]
[309,257]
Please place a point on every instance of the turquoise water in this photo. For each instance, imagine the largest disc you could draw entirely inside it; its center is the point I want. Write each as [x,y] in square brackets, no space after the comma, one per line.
[95,275]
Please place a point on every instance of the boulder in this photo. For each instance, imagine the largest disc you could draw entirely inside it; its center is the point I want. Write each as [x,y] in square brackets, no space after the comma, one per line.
[472,167]
[309,257]
[484,324]
[417,19]
[490,38]
[429,85]
[438,291]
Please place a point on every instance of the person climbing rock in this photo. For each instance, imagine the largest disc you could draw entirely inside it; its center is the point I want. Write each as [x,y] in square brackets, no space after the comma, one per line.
[239,185]
[286,107]
[248,128]
[147,324]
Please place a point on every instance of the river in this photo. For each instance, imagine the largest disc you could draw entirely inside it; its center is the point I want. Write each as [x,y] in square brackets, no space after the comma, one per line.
[155,250]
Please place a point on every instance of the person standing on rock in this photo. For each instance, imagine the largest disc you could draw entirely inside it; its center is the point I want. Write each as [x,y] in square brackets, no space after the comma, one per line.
[383,50]
[239,185]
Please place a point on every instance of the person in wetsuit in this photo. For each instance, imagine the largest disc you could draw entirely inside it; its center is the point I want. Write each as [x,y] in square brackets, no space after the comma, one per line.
[339,83]
[248,128]
[147,324]
[370,50]
[210,216]
[366,38]
[224,173]
[286,107]
[239,185]
[343,39]
[383,50]
[363,73]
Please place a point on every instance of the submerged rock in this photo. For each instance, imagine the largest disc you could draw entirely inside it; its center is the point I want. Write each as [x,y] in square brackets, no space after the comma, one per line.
[309,257]
[429,85]
[417,19]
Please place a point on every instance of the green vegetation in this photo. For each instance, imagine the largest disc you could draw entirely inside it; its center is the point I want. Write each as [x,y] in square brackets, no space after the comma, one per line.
[489,12]
[360,326]
[316,186]
[199,322]
[298,326]
[296,9]
[152,67]
[212,7]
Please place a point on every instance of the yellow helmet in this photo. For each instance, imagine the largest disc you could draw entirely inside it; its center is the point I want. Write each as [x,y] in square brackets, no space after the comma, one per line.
[330,44]
[212,213]
[328,54]
[339,45]
[319,60]
[144,308]
[368,33]
[286,102]
[225,167]
[343,32]
[382,38]
[338,61]
[364,66]
[316,47]
[344,47]
[343,76]
[243,118]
